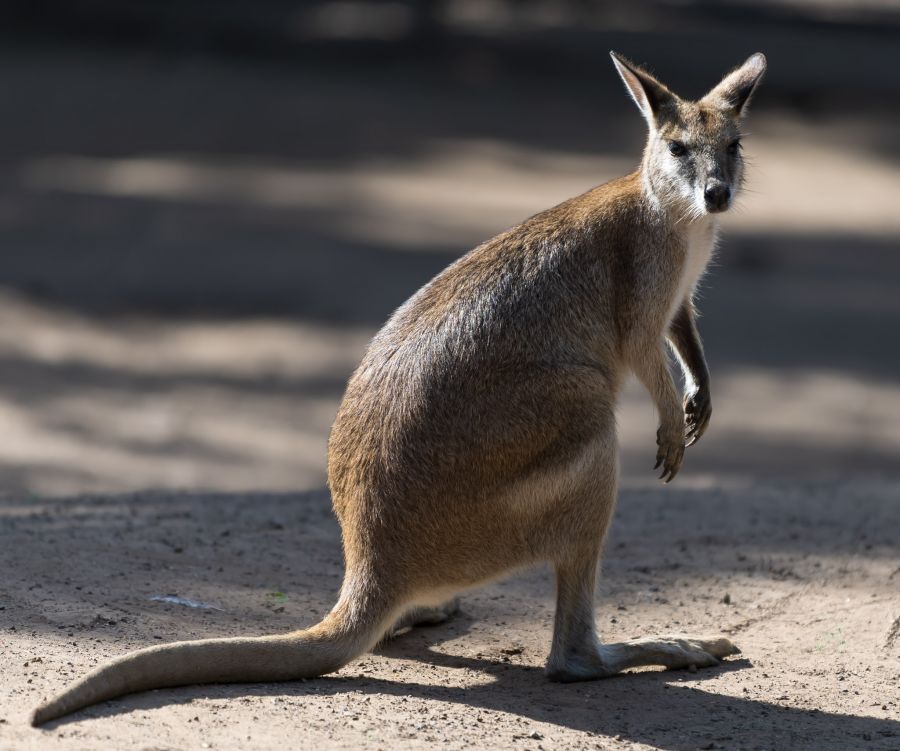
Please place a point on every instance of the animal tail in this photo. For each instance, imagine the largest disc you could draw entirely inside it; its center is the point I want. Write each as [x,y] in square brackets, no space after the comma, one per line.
[353,627]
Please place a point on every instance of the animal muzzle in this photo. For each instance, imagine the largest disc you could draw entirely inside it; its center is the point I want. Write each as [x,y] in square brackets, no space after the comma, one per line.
[717,197]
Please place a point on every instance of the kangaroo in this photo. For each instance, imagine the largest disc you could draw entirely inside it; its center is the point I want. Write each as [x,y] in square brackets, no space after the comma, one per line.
[478,434]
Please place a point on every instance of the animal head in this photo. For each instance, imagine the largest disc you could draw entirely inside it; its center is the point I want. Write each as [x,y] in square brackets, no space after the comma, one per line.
[693,160]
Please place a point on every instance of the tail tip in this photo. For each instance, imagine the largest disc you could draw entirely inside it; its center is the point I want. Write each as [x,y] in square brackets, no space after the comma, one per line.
[42,715]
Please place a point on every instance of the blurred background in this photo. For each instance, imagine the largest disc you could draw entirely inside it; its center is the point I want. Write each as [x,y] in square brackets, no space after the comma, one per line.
[208,208]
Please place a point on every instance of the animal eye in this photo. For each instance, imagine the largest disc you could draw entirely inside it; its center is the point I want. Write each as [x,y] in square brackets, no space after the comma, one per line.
[676,148]
[734,147]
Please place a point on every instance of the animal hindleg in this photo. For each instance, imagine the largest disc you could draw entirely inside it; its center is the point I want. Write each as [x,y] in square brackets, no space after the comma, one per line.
[578,655]
[425,616]
[575,654]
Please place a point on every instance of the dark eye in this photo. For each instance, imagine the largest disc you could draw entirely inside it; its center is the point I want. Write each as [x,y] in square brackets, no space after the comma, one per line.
[734,147]
[677,148]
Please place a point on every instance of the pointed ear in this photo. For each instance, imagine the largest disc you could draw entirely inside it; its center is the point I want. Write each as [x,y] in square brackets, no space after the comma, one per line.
[648,93]
[735,90]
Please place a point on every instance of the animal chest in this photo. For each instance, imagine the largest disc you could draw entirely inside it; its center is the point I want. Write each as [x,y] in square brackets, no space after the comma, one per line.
[699,244]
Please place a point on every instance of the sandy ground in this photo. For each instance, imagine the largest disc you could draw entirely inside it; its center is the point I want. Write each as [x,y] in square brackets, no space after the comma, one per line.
[805,587]
[195,253]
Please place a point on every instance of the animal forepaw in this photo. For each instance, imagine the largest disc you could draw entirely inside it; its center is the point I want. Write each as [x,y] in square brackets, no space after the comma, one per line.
[697,412]
[669,454]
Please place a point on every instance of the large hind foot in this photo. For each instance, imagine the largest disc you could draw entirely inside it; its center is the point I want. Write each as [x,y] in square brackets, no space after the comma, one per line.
[578,655]
[590,661]
[425,616]
[674,651]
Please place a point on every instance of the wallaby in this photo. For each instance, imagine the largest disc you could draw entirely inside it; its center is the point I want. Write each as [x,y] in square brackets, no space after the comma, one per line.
[478,434]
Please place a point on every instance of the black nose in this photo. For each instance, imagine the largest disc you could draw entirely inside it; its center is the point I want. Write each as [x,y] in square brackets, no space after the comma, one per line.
[717,197]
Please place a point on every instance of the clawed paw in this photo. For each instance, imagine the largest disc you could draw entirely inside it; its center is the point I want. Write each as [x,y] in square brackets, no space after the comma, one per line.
[669,454]
[697,412]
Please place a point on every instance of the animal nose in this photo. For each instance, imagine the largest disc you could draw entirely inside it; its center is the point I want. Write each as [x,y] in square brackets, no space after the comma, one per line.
[717,197]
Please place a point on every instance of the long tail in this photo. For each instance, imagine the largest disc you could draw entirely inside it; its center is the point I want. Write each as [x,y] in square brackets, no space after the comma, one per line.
[352,628]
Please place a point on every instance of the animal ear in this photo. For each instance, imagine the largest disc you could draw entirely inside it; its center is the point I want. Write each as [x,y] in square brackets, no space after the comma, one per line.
[648,93]
[735,90]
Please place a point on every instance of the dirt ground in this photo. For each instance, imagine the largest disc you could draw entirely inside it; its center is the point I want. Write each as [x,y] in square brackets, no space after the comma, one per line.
[803,577]
[195,252]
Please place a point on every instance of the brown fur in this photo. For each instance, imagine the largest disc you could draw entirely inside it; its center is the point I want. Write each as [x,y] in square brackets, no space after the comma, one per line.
[478,433]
